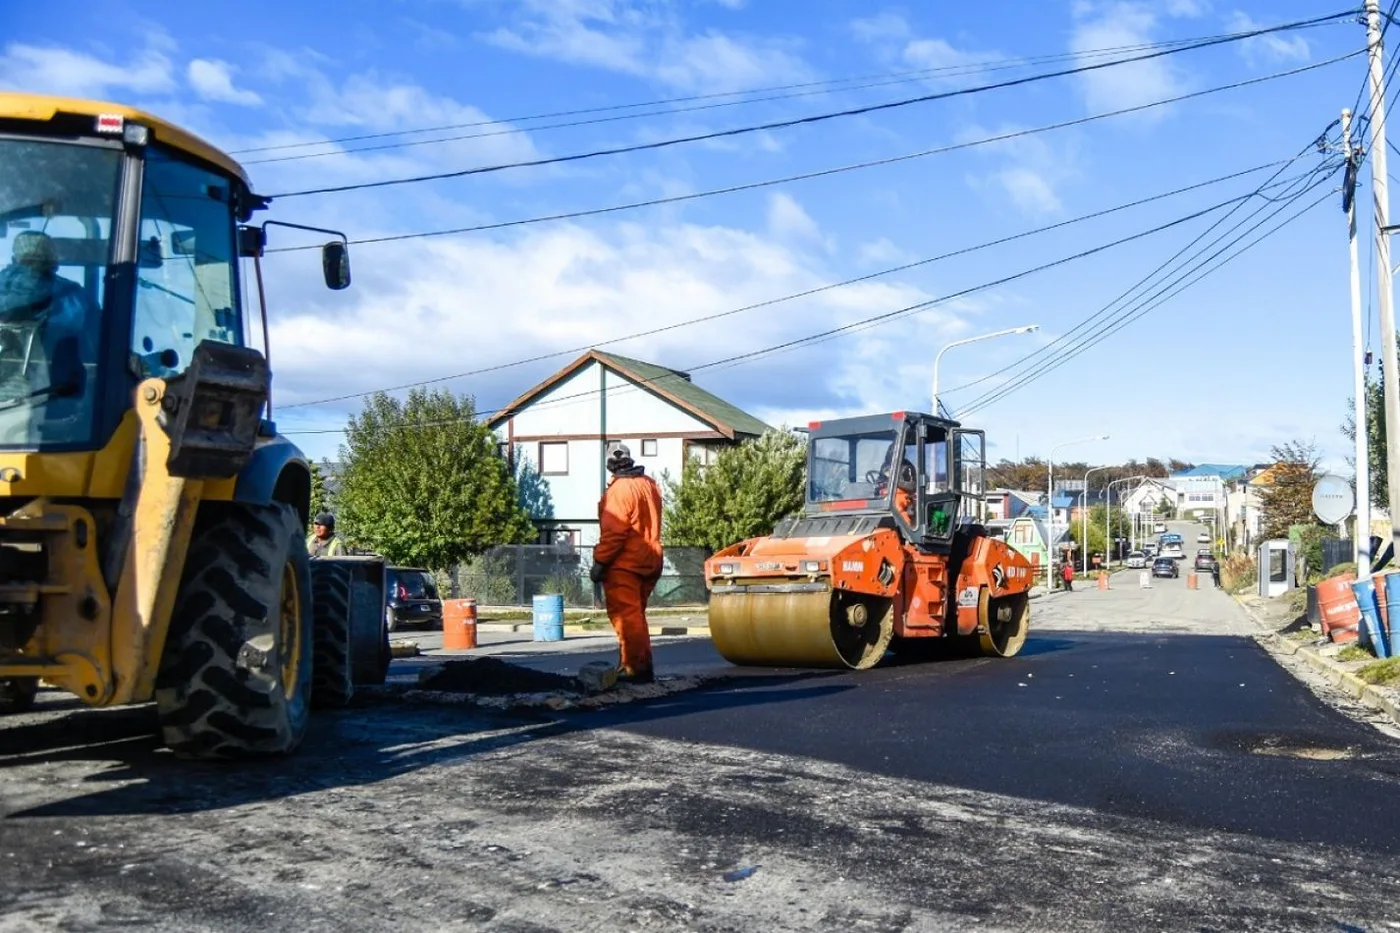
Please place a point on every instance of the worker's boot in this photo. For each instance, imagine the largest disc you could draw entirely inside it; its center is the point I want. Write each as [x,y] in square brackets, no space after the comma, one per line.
[639,676]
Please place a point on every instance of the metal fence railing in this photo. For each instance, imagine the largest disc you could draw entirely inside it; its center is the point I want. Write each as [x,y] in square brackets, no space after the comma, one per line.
[512,575]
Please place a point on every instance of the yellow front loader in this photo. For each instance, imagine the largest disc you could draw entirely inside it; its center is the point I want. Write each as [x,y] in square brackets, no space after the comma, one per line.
[152,520]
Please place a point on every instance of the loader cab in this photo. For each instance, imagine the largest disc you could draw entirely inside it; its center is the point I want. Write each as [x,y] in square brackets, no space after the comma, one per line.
[119,255]
[924,473]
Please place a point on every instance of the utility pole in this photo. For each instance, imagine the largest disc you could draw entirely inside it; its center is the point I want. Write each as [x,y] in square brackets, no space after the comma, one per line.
[1362,542]
[1390,365]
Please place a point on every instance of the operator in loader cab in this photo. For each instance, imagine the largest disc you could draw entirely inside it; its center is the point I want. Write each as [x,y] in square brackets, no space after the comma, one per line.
[31,291]
[627,559]
[324,542]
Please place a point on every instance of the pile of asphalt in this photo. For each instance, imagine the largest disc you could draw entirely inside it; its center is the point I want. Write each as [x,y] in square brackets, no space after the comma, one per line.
[491,677]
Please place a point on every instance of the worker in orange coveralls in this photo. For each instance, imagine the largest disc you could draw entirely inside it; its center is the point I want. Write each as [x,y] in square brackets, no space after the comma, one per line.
[904,491]
[627,559]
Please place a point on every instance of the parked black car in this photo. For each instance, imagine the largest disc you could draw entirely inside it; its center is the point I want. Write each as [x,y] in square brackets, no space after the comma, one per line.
[411,598]
[1165,567]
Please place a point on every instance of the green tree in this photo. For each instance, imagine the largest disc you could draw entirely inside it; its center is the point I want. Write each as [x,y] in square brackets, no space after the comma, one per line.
[320,501]
[741,495]
[422,484]
[1118,525]
[1287,501]
[1375,440]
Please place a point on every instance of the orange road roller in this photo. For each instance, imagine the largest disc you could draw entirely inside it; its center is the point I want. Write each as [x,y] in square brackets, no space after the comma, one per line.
[889,553]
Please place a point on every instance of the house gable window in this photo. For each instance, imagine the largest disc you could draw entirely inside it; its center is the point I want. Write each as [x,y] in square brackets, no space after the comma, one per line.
[648,447]
[554,458]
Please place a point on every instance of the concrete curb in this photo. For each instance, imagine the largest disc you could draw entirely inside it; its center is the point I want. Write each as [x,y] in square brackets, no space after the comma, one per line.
[1336,675]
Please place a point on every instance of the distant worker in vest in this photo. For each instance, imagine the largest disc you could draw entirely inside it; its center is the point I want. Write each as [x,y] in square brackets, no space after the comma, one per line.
[324,542]
[627,559]
[1067,573]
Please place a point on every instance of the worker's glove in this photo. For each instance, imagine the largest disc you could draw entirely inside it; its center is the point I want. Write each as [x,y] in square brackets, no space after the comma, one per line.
[595,573]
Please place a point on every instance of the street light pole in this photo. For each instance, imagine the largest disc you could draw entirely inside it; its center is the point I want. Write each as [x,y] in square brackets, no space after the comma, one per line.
[1361,550]
[1050,502]
[1390,364]
[1084,516]
[1108,507]
[958,343]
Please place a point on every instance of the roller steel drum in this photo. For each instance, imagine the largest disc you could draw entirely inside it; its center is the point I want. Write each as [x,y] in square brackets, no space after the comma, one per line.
[811,628]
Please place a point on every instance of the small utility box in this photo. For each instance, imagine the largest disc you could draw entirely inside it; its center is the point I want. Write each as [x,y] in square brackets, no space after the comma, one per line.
[1275,567]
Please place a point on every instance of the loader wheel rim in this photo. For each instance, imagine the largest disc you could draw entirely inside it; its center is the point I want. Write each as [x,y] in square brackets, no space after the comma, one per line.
[289,630]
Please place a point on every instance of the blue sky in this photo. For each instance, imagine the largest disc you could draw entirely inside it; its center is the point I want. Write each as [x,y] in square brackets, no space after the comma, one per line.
[1255,354]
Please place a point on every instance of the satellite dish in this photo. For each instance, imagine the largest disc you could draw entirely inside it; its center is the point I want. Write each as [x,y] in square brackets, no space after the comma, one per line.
[1332,499]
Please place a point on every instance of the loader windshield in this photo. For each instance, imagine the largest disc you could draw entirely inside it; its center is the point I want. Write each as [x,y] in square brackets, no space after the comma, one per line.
[57,202]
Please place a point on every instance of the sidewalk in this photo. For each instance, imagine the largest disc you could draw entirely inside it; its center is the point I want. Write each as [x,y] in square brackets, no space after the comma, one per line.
[1321,658]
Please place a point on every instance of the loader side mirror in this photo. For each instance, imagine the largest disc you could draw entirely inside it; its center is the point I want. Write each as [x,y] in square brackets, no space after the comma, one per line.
[251,241]
[335,265]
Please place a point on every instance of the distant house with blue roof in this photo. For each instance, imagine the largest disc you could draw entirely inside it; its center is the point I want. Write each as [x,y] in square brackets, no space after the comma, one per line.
[1202,490]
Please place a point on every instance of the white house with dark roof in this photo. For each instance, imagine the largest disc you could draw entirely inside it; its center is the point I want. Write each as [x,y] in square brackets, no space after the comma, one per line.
[557,434]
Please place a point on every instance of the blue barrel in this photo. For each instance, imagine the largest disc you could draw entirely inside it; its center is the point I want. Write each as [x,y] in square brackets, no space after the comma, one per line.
[1392,598]
[549,617]
[1365,591]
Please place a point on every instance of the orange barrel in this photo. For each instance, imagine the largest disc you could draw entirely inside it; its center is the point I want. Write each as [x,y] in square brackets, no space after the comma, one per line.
[459,624]
[1103,580]
[1191,580]
[1336,603]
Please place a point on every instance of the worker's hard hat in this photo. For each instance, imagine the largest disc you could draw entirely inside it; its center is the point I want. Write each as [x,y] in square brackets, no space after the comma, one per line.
[34,248]
[619,457]
[325,518]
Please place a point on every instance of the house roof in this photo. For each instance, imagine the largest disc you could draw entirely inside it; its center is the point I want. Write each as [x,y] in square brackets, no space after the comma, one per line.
[1264,477]
[1222,470]
[670,384]
[1036,516]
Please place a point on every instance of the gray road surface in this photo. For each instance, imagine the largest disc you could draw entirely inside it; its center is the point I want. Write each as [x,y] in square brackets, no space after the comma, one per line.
[1143,765]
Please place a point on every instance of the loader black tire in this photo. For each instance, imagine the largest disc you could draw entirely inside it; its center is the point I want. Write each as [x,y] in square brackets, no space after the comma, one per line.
[332,685]
[235,676]
[369,635]
[17,695]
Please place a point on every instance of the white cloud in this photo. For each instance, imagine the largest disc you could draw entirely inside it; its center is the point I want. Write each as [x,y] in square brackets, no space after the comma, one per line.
[894,41]
[788,220]
[882,27]
[1112,25]
[568,286]
[1032,171]
[1028,190]
[213,80]
[717,62]
[64,71]
[645,40]
[882,252]
[1274,46]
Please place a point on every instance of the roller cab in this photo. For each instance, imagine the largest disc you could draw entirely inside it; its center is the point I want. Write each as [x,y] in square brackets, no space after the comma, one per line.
[888,553]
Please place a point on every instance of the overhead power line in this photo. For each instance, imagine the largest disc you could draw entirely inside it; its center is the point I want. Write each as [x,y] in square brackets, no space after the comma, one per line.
[1027,370]
[1104,335]
[811,118]
[1010,372]
[822,173]
[873,320]
[507,127]
[804,89]
[807,292]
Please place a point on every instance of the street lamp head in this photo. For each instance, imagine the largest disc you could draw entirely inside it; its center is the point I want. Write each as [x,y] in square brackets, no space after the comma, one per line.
[1029,328]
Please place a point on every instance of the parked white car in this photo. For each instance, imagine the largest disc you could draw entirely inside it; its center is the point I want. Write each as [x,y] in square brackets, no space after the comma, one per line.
[1203,538]
[1173,550]
[1137,560]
